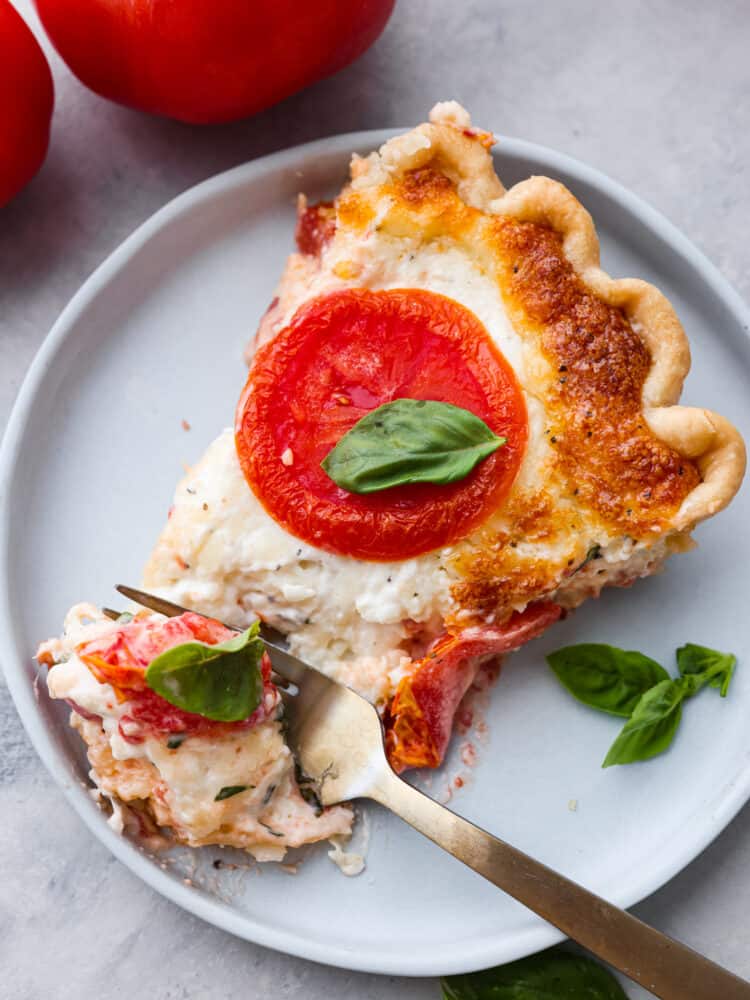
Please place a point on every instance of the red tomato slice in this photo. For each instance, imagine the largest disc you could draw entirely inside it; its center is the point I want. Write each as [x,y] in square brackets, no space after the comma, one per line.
[341,356]
[120,658]
[420,717]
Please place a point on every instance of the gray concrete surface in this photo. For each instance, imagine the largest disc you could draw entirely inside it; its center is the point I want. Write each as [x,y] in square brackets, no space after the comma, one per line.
[656,94]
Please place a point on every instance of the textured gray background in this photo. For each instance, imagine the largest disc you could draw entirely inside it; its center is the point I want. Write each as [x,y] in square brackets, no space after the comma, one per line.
[656,94]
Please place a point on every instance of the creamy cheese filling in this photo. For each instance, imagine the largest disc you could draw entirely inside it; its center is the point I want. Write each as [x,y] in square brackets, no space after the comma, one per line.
[618,564]
[241,564]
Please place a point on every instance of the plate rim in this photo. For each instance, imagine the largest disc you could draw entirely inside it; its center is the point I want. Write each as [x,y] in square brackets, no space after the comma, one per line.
[195,901]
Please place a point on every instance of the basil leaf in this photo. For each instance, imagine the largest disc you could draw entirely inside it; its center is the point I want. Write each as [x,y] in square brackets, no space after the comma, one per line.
[410,441]
[229,790]
[594,552]
[713,668]
[651,727]
[221,682]
[551,975]
[606,677]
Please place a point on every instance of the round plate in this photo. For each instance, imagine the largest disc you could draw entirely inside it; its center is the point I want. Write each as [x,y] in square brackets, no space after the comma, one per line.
[92,453]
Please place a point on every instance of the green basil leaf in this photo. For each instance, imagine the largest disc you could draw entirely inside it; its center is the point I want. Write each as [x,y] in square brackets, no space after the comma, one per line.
[594,552]
[229,790]
[221,682]
[410,441]
[605,677]
[551,975]
[711,666]
[651,727]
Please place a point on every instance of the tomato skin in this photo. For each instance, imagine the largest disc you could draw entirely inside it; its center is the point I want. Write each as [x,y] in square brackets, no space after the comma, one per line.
[203,62]
[26,101]
[420,717]
[342,355]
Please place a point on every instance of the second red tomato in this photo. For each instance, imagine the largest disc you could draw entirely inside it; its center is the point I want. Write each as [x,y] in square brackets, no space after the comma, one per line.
[26,100]
[208,62]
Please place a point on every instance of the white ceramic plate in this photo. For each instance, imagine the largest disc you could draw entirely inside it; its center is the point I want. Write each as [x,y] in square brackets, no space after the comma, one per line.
[91,456]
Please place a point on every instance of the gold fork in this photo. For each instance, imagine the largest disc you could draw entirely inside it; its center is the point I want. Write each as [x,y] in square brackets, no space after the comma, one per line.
[337,738]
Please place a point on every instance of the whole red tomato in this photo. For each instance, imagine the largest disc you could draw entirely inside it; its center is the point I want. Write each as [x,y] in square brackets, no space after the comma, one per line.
[208,60]
[26,100]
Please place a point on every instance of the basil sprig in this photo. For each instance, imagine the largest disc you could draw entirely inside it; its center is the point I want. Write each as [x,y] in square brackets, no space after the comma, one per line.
[713,668]
[221,682]
[627,683]
[551,975]
[605,677]
[410,441]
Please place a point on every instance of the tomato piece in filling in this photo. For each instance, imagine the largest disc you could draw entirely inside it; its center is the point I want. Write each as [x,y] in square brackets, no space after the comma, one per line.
[341,356]
[419,719]
[120,658]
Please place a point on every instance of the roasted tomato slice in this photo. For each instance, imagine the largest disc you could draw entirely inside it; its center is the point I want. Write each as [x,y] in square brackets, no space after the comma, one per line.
[120,658]
[341,356]
[420,717]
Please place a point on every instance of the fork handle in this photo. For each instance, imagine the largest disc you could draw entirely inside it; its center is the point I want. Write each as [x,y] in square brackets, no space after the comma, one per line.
[664,966]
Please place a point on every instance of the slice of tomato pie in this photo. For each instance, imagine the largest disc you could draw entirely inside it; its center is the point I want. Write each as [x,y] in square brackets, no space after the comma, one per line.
[455,428]
[427,280]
